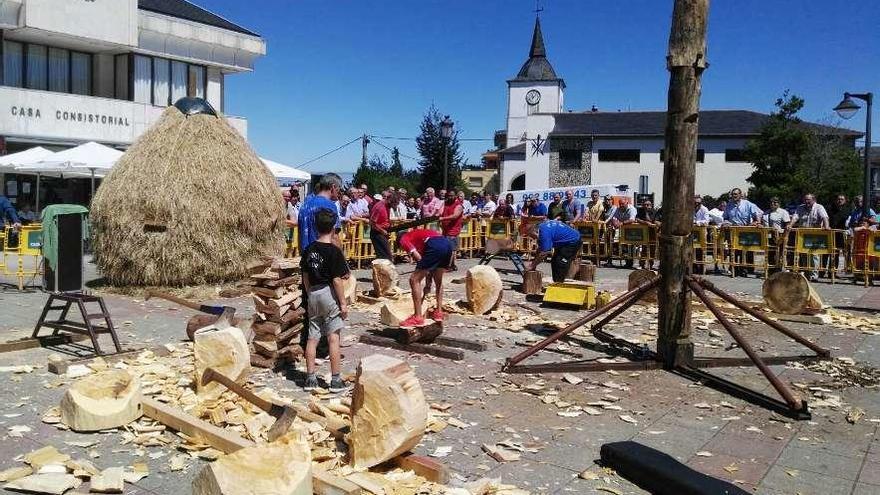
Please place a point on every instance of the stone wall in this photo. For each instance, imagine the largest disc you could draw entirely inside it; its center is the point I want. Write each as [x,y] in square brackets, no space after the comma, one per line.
[569,177]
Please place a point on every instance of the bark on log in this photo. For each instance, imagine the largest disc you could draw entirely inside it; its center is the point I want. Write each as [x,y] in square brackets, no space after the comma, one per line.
[225,349]
[389,412]
[483,289]
[791,294]
[424,334]
[385,278]
[638,277]
[533,282]
[103,400]
[283,467]
[196,322]
[586,272]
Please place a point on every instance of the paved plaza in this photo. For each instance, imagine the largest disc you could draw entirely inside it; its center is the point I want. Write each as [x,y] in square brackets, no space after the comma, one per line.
[705,429]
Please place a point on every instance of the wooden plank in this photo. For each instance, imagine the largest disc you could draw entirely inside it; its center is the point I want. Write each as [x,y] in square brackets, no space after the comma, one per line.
[471,345]
[44,341]
[60,367]
[228,442]
[423,466]
[366,483]
[432,349]
[291,281]
[820,319]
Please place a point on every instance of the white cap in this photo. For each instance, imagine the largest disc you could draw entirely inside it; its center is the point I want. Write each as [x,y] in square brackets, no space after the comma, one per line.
[377,197]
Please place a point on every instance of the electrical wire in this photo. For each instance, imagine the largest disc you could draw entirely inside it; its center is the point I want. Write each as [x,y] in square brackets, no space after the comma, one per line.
[380,143]
[334,150]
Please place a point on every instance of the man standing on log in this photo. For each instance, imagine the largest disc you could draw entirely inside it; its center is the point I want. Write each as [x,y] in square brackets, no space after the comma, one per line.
[564,241]
[432,253]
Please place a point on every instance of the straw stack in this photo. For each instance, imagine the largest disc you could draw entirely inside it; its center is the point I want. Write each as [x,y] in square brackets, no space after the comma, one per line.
[279,315]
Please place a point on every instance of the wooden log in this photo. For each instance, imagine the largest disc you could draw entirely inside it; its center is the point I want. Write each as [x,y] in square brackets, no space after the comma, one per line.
[388,411]
[44,341]
[638,277]
[426,333]
[59,367]
[790,293]
[395,311]
[423,466]
[247,471]
[223,348]
[271,293]
[470,345]
[586,272]
[351,289]
[483,289]
[499,246]
[196,322]
[385,277]
[533,282]
[100,401]
[686,61]
[430,349]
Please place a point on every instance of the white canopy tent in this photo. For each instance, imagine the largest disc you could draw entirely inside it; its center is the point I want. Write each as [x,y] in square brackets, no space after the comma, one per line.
[29,156]
[284,172]
[72,162]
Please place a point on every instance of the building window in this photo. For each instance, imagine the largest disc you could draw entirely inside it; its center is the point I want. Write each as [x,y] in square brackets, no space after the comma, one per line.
[143,79]
[161,81]
[121,64]
[80,73]
[178,81]
[701,156]
[475,182]
[570,159]
[59,70]
[631,156]
[735,155]
[36,74]
[196,81]
[13,64]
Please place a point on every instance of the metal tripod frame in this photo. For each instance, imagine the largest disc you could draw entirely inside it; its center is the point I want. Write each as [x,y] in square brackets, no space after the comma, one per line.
[642,358]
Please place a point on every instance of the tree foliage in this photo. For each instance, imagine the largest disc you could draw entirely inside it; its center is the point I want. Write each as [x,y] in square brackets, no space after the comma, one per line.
[378,174]
[431,147]
[792,158]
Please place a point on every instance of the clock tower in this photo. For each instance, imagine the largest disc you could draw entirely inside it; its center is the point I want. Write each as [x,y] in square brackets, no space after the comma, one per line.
[535,89]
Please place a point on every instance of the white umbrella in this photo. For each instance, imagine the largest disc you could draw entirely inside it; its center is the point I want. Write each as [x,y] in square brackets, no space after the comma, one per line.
[91,155]
[26,157]
[284,172]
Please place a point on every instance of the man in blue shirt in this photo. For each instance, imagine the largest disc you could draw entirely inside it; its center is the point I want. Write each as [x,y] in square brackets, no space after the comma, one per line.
[327,191]
[741,211]
[7,210]
[564,241]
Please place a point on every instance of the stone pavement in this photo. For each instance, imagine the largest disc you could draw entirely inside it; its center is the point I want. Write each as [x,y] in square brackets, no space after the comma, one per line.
[711,432]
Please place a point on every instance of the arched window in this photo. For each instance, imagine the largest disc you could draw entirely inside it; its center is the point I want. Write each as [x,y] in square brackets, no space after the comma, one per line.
[518,183]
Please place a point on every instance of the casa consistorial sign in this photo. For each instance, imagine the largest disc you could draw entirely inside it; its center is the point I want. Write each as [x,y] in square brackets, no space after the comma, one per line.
[71,116]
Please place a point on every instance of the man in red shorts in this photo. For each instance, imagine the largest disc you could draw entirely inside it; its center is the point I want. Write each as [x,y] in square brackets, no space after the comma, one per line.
[432,253]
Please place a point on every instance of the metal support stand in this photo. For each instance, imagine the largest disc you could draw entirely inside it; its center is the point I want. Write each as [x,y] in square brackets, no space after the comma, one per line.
[62,324]
[642,358]
[514,258]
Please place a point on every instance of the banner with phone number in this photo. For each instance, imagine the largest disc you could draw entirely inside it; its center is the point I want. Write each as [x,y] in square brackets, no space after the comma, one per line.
[580,192]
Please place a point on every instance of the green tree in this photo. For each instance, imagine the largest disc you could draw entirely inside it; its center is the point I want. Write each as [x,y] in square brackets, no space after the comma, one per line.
[378,175]
[792,158]
[431,145]
[396,168]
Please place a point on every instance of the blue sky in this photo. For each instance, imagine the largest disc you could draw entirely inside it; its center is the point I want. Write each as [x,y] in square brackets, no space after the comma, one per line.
[338,69]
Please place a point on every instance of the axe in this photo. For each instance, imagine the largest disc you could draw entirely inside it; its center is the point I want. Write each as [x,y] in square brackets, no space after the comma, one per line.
[212,313]
[284,414]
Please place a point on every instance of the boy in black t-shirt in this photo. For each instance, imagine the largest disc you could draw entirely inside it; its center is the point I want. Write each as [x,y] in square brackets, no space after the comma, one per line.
[323,270]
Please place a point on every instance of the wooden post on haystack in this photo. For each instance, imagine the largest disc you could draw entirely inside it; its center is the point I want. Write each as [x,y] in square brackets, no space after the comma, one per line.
[686,61]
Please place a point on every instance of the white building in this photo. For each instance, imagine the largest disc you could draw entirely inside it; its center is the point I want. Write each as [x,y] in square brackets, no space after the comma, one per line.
[544,146]
[104,70]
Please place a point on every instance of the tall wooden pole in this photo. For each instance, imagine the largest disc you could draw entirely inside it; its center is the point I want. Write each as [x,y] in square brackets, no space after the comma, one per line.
[685,61]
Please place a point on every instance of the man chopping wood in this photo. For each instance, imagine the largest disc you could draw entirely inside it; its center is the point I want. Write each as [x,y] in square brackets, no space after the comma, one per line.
[564,241]
[432,253]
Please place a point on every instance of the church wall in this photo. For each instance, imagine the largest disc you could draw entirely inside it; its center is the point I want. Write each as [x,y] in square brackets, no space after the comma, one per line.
[560,177]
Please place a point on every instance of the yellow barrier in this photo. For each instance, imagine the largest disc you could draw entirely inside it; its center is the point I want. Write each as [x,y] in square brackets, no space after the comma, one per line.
[745,243]
[810,245]
[30,244]
[593,238]
[637,242]
[865,259]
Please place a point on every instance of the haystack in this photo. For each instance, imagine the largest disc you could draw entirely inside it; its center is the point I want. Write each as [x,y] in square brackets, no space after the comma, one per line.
[189,203]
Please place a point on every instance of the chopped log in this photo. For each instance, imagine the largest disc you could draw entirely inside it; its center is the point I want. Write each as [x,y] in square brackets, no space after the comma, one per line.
[483,288]
[790,293]
[196,322]
[533,282]
[389,412]
[393,312]
[499,246]
[268,349]
[176,419]
[586,272]
[283,467]
[423,466]
[107,481]
[351,288]
[225,349]
[266,328]
[638,277]
[103,400]
[291,281]
[283,264]
[267,292]
[267,363]
[285,300]
[424,334]
[385,278]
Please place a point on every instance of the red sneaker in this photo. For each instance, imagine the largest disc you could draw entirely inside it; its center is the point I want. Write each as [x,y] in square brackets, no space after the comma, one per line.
[437,315]
[413,321]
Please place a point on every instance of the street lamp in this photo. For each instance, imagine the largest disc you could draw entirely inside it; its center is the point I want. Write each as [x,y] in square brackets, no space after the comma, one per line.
[847,108]
[446,134]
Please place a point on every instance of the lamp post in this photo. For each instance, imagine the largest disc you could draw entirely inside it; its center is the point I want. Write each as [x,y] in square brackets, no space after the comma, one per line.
[847,108]
[446,134]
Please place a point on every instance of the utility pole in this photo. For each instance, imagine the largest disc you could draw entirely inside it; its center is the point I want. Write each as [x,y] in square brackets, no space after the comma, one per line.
[686,61]
[365,140]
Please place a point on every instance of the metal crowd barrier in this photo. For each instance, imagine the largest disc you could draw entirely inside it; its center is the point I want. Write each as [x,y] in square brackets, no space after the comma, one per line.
[29,244]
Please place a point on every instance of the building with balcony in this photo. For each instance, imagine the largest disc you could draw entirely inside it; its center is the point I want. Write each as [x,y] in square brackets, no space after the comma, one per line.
[104,70]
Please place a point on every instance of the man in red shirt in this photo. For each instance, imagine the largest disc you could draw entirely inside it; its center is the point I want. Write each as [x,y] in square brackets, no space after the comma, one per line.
[451,219]
[432,253]
[380,221]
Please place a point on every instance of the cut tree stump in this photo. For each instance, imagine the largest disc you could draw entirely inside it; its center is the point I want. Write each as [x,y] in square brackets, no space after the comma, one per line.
[483,289]
[283,467]
[385,278]
[425,334]
[223,348]
[586,272]
[533,282]
[393,312]
[638,277]
[388,411]
[103,400]
[790,293]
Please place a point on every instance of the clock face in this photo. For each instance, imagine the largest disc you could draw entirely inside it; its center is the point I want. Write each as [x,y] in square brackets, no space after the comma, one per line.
[533,97]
